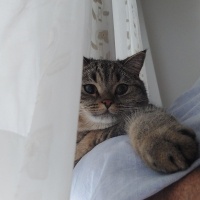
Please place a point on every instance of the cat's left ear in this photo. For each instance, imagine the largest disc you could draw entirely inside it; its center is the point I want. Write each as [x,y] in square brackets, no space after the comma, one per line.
[86,61]
[134,63]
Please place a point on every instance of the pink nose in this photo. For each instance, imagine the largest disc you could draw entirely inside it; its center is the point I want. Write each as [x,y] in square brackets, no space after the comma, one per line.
[107,102]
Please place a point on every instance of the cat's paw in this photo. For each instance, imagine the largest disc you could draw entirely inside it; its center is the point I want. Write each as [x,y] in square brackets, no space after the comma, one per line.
[172,151]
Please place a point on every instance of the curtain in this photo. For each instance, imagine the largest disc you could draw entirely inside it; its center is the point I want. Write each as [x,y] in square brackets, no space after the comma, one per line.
[99,37]
[40,77]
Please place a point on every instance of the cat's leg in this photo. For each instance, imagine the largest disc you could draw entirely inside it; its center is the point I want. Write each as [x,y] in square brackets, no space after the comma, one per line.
[86,143]
[87,140]
[162,142]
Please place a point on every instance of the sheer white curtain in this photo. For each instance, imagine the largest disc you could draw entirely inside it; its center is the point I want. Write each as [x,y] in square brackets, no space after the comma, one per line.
[99,38]
[40,77]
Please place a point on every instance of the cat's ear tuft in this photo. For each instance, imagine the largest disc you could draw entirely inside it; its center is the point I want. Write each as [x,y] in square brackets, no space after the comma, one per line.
[86,61]
[134,63]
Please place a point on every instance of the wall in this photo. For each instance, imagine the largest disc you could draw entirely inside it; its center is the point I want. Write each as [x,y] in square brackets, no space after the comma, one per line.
[173,29]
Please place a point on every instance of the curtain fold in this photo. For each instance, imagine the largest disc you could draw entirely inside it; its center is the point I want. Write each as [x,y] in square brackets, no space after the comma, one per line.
[99,38]
[40,72]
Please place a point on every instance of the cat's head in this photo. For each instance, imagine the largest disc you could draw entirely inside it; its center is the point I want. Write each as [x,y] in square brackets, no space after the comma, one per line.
[111,89]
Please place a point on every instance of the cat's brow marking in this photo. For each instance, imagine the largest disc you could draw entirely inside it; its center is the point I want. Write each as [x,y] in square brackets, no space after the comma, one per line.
[94,77]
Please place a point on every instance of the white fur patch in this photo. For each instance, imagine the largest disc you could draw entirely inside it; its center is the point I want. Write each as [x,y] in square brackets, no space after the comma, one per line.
[102,119]
[90,122]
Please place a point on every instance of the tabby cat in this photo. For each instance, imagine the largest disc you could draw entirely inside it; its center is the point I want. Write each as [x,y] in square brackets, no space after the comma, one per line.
[114,102]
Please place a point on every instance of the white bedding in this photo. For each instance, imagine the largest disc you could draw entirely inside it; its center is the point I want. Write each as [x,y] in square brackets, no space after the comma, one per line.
[112,170]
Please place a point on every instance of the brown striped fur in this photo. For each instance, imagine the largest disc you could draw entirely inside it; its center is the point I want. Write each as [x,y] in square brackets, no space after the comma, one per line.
[117,103]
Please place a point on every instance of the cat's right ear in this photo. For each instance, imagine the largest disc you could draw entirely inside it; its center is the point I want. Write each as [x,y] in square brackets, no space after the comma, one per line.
[86,61]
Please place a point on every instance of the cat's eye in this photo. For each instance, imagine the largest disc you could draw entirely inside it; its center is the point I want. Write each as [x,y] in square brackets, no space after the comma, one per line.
[121,89]
[89,88]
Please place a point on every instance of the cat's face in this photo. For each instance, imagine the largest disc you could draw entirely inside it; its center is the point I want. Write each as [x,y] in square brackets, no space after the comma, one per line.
[112,89]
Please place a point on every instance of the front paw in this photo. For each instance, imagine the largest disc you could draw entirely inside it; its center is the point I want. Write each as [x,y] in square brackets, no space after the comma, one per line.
[171,151]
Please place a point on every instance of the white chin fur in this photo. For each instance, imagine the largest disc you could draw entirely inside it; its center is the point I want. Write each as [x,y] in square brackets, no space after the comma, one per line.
[102,119]
[90,122]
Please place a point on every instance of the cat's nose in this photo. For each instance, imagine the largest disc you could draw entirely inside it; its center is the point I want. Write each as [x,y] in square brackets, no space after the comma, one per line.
[107,103]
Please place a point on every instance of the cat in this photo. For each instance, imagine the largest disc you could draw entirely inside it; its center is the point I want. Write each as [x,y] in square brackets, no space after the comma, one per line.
[114,102]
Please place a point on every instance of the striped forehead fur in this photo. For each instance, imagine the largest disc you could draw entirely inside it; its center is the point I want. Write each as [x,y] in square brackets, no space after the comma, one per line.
[104,70]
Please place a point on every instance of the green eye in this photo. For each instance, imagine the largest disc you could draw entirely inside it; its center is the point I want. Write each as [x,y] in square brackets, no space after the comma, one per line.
[121,89]
[90,89]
